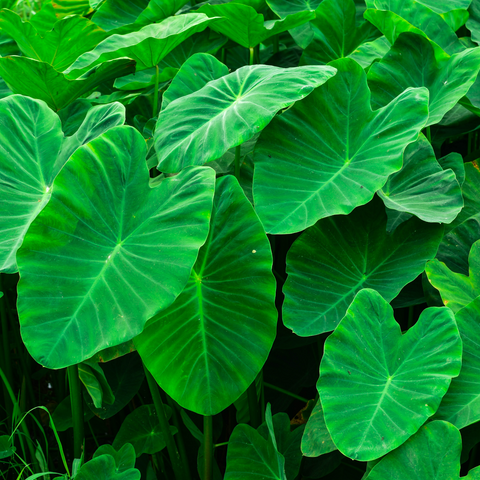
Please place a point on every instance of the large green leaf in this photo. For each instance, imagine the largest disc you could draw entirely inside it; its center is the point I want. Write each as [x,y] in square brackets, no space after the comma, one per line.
[378,386]
[142,429]
[457,290]
[316,439]
[336,34]
[33,141]
[422,187]
[252,456]
[124,458]
[242,24]
[60,47]
[229,111]
[331,152]
[283,8]
[415,16]
[132,14]
[473,23]
[40,80]
[411,62]
[444,6]
[368,52]
[461,404]
[340,255]
[89,263]
[147,47]
[194,74]
[433,453]
[211,333]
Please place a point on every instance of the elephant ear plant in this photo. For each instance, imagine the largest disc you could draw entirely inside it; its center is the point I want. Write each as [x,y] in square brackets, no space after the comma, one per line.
[240,239]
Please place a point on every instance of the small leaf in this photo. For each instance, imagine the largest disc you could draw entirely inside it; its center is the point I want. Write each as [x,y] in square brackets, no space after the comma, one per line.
[104,468]
[316,439]
[397,380]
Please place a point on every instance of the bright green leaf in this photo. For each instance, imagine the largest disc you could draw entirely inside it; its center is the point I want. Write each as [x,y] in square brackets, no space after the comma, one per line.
[340,255]
[118,239]
[104,468]
[210,333]
[37,149]
[316,439]
[283,8]
[422,187]
[444,6]
[332,143]
[229,111]
[124,458]
[40,80]
[367,53]
[457,290]
[194,74]
[411,63]
[397,381]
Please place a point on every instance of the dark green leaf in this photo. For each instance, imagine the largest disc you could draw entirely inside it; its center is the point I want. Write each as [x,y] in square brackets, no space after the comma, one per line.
[316,439]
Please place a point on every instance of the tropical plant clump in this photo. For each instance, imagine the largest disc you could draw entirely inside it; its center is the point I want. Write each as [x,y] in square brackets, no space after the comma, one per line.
[240,240]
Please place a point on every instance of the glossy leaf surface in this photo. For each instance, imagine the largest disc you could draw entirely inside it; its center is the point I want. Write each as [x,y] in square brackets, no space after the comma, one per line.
[118,238]
[229,111]
[411,63]
[194,74]
[147,47]
[329,144]
[37,149]
[340,255]
[242,24]
[457,290]
[283,8]
[219,347]
[422,187]
[40,80]
[397,380]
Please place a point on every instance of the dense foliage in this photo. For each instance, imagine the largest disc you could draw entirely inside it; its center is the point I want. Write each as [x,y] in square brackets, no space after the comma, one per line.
[240,240]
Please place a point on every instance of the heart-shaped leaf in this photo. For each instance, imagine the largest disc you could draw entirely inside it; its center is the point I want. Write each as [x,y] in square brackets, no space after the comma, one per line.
[229,111]
[461,404]
[40,80]
[422,187]
[397,380]
[124,458]
[433,453]
[457,290]
[242,24]
[336,34]
[411,62]
[104,467]
[194,74]
[340,255]
[142,429]
[147,47]
[89,263]
[60,47]
[37,149]
[316,439]
[252,456]
[330,144]
[393,17]
[219,346]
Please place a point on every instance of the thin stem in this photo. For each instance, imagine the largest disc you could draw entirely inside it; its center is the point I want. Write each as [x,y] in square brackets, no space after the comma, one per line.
[223,55]
[410,317]
[238,163]
[208,446]
[220,444]
[286,392]
[252,56]
[253,407]
[77,410]
[275,44]
[155,93]
[428,134]
[165,426]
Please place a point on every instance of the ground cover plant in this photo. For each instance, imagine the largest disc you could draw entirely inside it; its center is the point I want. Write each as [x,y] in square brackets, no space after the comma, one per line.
[240,239]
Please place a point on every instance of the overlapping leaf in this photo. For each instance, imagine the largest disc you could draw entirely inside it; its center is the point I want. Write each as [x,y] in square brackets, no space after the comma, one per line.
[33,141]
[422,187]
[316,439]
[229,111]
[331,152]
[378,386]
[219,341]
[411,62]
[283,8]
[91,260]
[457,290]
[242,24]
[340,255]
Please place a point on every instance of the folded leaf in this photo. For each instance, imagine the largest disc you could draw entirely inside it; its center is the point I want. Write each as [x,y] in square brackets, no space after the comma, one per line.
[396,381]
